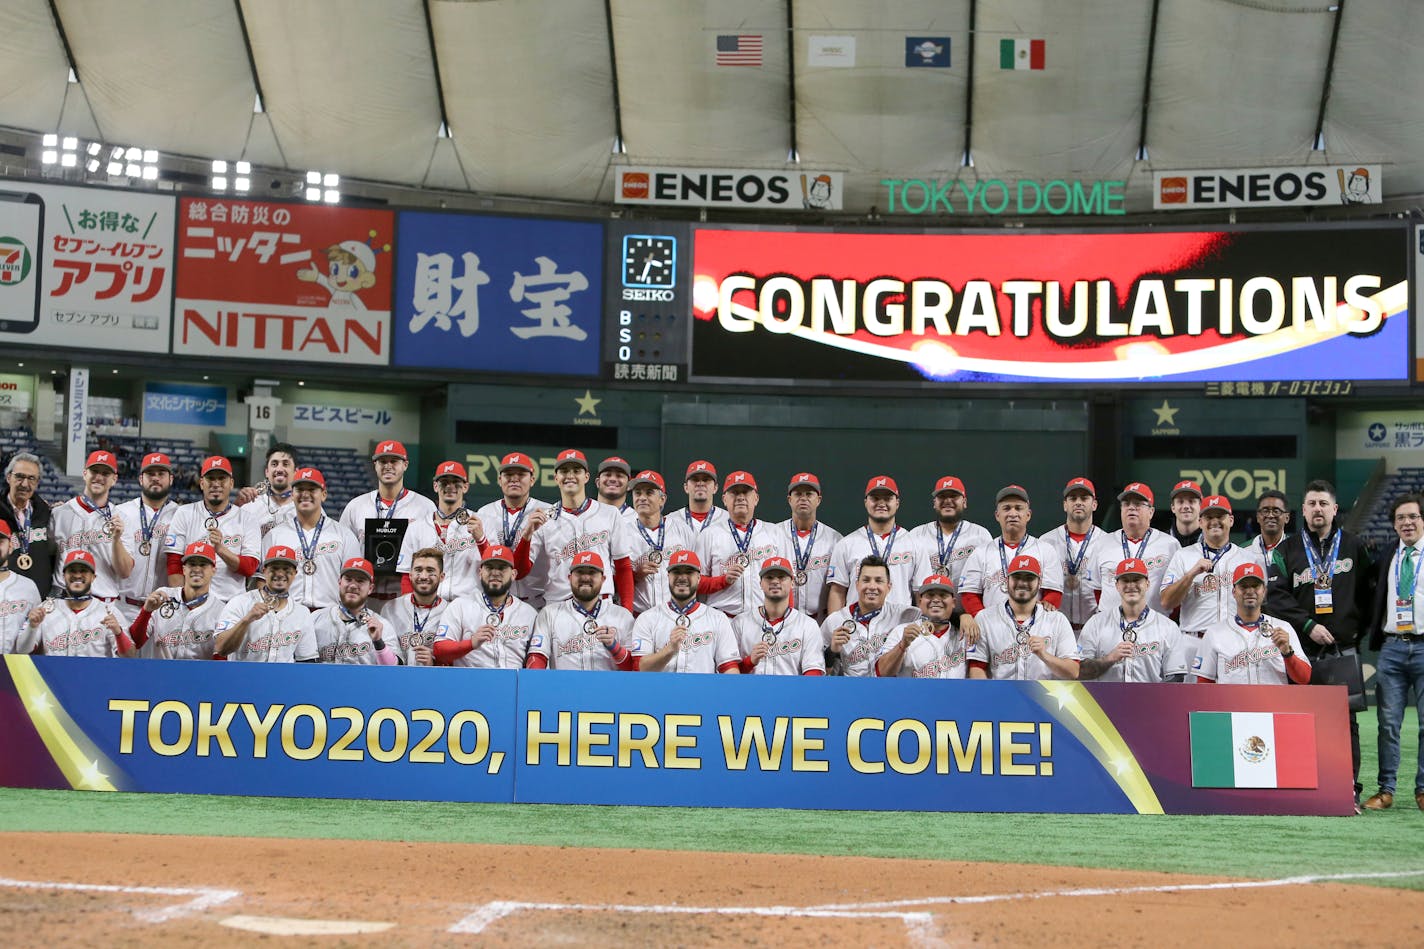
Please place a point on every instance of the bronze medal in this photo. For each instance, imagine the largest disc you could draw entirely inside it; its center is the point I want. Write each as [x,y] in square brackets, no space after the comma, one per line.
[801,578]
[49,605]
[308,567]
[1021,637]
[741,560]
[211,523]
[655,557]
[168,608]
[110,528]
[1129,635]
[462,516]
[682,621]
[145,548]
[492,619]
[24,562]
[590,626]
[768,636]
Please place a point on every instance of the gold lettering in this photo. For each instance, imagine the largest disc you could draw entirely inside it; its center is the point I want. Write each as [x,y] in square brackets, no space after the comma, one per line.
[803,744]
[853,736]
[455,745]
[738,749]
[289,727]
[209,730]
[677,742]
[185,728]
[1008,748]
[645,745]
[981,743]
[921,732]
[560,738]
[421,753]
[373,735]
[355,720]
[128,708]
[261,727]
[589,740]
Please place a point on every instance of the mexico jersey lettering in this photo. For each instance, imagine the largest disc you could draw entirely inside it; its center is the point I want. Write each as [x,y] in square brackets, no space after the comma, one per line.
[343,641]
[1209,600]
[598,528]
[78,527]
[18,595]
[867,640]
[187,633]
[938,552]
[462,554]
[1006,658]
[513,629]
[329,549]
[67,633]
[796,651]
[708,644]
[929,655]
[560,638]
[1157,553]
[282,635]
[1230,653]
[1159,649]
[239,535]
[150,571]
[410,626]
[717,546]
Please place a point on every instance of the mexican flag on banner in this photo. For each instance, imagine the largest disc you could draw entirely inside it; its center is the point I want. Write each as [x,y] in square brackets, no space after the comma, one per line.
[1021,54]
[1253,750]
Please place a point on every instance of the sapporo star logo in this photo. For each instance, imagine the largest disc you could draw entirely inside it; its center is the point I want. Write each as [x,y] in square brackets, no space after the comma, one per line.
[588,404]
[1166,415]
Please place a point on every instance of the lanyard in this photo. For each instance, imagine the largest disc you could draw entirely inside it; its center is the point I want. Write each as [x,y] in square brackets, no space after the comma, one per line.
[559,509]
[500,611]
[1258,625]
[699,526]
[1207,553]
[348,616]
[683,612]
[648,538]
[23,527]
[1004,561]
[1021,629]
[889,544]
[1129,630]
[1141,548]
[744,540]
[1073,562]
[591,614]
[417,623]
[864,618]
[196,601]
[947,554]
[147,527]
[309,553]
[803,559]
[1322,573]
[391,512]
[510,531]
[770,626]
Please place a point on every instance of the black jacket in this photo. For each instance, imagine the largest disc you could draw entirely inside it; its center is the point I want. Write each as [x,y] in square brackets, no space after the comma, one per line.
[44,553]
[1291,595]
[1382,578]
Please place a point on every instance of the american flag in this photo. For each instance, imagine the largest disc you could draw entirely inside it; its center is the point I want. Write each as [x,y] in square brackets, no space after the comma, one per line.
[739,49]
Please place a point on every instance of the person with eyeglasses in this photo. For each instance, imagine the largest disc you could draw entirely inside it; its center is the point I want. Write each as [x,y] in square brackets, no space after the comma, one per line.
[1397,634]
[1272,516]
[33,552]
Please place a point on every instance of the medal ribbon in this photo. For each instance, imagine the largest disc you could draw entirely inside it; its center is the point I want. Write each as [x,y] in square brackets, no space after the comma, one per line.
[648,538]
[769,625]
[683,611]
[1125,626]
[107,510]
[744,541]
[1323,574]
[23,527]
[802,560]
[146,527]
[1021,627]
[1074,563]
[417,623]
[509,531]
[498,612]
[559,510]
[694,524]
[597,606]
[309,553]
[889,544]
[1207,554]
[946,554]
[1252,627]
[1141,548]
[348,615]
[390,513]
[1004,561]
[863,618]
[196,601]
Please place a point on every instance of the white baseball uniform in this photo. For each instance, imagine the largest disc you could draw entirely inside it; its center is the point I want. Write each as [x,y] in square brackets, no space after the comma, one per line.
[895,548]
[462,553]
[1079,560]
[1233,654]
[946,554]
[1209,599]
[188,633]
[712,520]
[65,632]
[512,631]
[986,571]
[717,546]
[939,654]
[408,506]
[77,525]
[1159,650]
[709,645]
[504,526]
[868,639]
[268,510]
[282,635]
[1155,548]
[560,638]
[593,526]
[810,553]
[145,527]
[667,538]
[240,535]
[1007,658]
[798,648]
[328,545]
[18,595]
[344,638]
[409,625]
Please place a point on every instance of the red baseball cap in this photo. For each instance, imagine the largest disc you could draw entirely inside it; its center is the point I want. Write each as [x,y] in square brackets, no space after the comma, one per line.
[359,565]
[156,459]
[500,553]
[451,469]
[586,558]
[102,459]
[937,581]
[775,564]
[82,557]
[739,479]
[950,483]
[613,462]
[701,468]
[389,449]
[571,456]
[1136,490]
[1131,567]
[1079,484]
[1025,564]
[648,477]
[200,550]
[804,479]
[280,554]
[309,476]
[685,558]
[517,460]
[1186,487]
[216,463]
[882,483]
[1215,502]
[1248,571]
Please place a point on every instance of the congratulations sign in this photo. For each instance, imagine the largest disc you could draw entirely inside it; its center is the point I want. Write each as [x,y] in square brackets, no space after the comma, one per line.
[1066,307]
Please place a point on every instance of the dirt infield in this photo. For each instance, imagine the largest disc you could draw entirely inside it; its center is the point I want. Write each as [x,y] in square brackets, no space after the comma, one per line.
[91,889]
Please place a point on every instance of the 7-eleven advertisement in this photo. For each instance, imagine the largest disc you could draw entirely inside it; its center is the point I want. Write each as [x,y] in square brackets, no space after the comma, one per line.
[1067,308]
[306,283]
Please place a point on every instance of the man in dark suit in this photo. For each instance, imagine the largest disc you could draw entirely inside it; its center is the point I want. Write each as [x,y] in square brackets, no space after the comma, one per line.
[34,552]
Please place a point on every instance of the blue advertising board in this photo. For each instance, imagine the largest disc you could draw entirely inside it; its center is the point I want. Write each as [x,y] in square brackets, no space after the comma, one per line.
[179,403]
[498,294]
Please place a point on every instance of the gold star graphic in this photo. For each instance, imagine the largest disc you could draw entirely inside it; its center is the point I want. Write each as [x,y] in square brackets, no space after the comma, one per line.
[1166,415]
[587,405]
[91,776]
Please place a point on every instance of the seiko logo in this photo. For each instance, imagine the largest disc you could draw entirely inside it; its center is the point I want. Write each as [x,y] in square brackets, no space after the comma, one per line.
[660,296]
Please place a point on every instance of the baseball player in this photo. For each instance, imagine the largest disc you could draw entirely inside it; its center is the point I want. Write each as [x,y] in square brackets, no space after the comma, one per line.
[79,623]
[511,520]
[658,538]
[350,633]
[270,502]
[1133,643]
[811,543]
[682,635]
[450,528]
[18,595]
[147,517]
[267,625]
[944,545]
[1020,639]
[585,631]
[88,522]
[323,543]
[854,635]
[1079,547]
[929,647]
[728,548]
[778,639]
[490,629]
[1185,527]
[984,585]
[414,617]
[700,483]
[1199,574]
[881,538]
[614,473]
[180,622]
[1251,648]
[216,521]
[1135,540]
[391,501]
[579,524]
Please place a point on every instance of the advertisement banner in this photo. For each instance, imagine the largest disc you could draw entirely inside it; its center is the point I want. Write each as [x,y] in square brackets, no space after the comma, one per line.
[1066,308]
[76,418]
[293,282]
[678,740]
[499,294]
[812,189]
[345,418]
[101,268]
[181,403]
[16,392]
[1266,187]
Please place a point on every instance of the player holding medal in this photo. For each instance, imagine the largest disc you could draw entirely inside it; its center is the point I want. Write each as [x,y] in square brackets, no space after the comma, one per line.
[450,528]
[659,538]
[323,543]
[579,524]
[929,647]
[778,639]
[1199,576]
[811,542]
[215,521]
[181,622]
[729,548]
[491,628]
[586,631]
[511,520]
[682,635]
[1020,639]
[88,522]
[854,635]
[1136,540]
[350,633]
[1251,648]
[147,517]
[1133,643]
[79,624]
[1079,547]
[266,625]
[269,502]
[880,538]
[414,617]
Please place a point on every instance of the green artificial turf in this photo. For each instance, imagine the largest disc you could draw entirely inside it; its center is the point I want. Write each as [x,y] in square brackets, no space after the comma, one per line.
[1263,847]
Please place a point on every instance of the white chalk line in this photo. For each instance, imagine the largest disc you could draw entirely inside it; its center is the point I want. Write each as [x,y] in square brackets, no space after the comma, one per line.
[482,917]
[203,897]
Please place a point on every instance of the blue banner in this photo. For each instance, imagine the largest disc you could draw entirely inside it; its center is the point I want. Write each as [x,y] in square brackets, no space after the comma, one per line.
[498,294]
[177,403]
